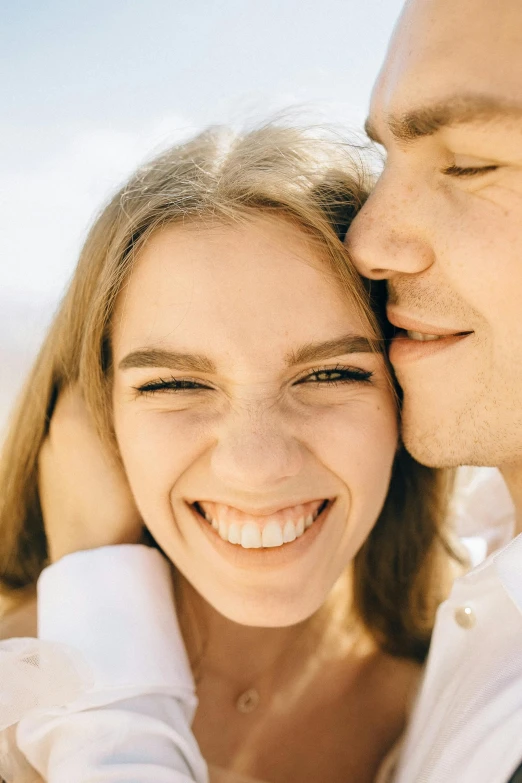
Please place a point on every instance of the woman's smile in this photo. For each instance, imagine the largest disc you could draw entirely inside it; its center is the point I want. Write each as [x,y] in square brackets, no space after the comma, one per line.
[262,530]
[257,549]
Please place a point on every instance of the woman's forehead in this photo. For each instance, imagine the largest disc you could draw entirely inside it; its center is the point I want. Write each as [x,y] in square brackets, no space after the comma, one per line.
[233,284]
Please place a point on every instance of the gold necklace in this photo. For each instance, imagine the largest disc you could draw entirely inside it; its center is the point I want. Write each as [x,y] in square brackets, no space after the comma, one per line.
[248,701]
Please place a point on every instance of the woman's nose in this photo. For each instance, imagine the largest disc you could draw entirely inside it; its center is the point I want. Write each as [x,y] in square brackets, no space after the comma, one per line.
[256,452]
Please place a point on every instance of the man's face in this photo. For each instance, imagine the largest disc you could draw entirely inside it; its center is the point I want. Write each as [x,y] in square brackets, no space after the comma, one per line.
[444,226]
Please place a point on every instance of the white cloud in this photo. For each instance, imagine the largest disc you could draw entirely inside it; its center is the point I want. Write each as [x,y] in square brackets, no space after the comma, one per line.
[45,211]
[44,215]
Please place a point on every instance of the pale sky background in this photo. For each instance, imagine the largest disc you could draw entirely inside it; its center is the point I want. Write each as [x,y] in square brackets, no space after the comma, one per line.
[90,89]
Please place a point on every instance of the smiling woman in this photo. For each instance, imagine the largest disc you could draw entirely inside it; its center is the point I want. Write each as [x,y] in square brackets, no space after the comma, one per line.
[234,363]
[268,405]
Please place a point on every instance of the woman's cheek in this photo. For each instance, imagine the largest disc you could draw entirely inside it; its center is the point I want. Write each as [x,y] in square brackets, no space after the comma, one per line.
[157,448]
[358,444]
[360,429]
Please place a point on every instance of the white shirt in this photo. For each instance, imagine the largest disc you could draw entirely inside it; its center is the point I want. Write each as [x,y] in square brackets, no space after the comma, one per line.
[467,723]
[466,726]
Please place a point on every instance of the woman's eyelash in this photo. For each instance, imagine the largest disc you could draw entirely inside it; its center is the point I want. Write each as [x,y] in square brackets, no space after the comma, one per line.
[170,384]
[336,375]
[468,171]
[331,376]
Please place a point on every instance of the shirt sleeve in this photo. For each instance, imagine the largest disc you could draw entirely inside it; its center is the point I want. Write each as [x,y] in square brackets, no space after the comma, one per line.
[114,607]
[144,739]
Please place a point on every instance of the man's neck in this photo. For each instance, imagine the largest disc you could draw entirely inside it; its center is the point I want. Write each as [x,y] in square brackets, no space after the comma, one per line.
[512,475]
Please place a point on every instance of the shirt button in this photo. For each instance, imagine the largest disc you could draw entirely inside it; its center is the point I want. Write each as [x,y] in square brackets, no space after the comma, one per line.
[465,617]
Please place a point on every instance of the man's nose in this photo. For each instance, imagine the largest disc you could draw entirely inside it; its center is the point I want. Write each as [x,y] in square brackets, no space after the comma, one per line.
[386,237]
[255,452]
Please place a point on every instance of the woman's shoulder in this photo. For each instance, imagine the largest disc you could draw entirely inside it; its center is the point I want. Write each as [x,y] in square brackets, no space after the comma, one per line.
[20,620]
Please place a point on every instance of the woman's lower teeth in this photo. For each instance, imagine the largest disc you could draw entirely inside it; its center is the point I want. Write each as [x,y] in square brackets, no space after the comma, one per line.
[251,536]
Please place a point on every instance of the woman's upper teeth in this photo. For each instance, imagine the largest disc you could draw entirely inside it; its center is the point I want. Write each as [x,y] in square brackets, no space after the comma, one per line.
[254,532]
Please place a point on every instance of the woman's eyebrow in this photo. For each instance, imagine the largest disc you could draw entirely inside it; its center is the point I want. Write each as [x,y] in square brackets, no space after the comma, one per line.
[174,360]
[350,343]
[159,357]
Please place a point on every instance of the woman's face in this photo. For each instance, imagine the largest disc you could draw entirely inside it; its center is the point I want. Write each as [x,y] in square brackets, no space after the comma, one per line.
[256,425]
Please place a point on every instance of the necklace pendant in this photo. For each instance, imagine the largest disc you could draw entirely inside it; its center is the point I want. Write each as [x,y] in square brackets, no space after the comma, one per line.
[248,701]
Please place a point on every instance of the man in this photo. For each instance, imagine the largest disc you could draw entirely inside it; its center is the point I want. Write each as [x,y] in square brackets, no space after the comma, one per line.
[444,227]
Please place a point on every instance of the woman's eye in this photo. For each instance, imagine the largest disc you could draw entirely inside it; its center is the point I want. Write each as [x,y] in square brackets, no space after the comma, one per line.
[468,171]
[337,375]
[170,385]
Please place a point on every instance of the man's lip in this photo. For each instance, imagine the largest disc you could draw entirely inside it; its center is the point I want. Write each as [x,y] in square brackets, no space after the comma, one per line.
[411,324]
[264,511]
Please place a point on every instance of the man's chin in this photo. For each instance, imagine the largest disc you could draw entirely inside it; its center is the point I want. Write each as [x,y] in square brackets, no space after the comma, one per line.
[429,446]
[446,436]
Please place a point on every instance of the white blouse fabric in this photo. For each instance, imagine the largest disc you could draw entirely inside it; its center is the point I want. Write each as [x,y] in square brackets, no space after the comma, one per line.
[110,615]
[112,698]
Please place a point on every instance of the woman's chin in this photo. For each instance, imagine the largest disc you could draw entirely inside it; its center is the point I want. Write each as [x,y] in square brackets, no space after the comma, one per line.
[265,611]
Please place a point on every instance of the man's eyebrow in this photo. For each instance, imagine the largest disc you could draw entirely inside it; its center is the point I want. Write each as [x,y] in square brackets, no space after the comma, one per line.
[456,110]
[351,343]
[158,357]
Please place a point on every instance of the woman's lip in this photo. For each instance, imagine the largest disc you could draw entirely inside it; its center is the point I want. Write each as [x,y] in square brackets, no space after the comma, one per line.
[315,509]
[407,323]
[265,511]
[264,558]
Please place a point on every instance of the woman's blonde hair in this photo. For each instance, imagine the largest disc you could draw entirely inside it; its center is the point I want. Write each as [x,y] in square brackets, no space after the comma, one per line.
[318,184]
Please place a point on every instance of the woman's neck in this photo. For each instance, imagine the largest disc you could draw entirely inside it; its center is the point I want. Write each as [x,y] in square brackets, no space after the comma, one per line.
[242,655]
[260,691]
